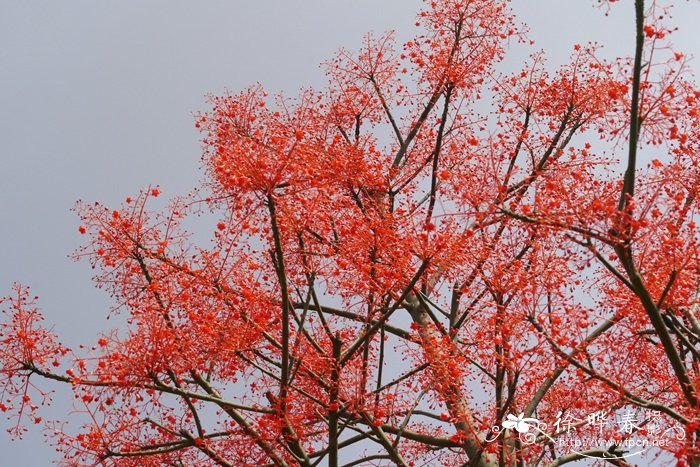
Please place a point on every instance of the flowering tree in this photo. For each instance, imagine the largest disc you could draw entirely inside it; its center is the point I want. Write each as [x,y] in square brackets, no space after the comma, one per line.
[396,278]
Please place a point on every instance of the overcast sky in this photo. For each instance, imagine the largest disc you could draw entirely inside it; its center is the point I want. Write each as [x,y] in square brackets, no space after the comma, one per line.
[96,101]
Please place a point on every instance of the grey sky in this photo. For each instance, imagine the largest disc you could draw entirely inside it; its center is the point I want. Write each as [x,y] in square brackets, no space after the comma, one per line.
[96,100]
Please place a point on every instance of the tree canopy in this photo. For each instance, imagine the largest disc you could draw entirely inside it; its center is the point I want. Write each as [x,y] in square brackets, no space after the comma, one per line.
[400,274]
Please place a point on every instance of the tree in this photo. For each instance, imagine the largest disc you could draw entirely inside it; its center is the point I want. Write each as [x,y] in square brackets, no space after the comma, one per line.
[397,277]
